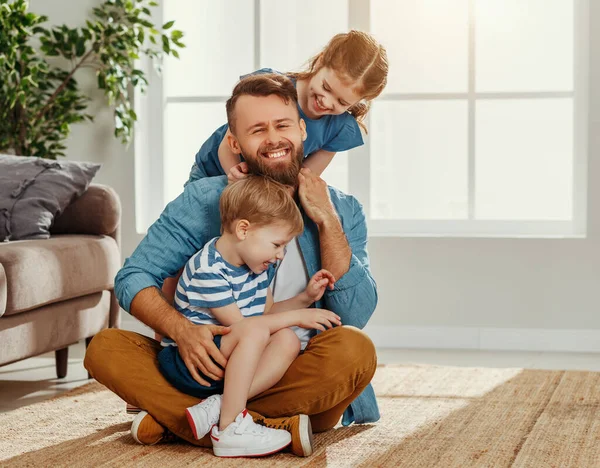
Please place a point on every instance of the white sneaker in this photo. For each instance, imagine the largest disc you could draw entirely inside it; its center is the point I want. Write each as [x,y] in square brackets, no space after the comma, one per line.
[245,438]
[203,416]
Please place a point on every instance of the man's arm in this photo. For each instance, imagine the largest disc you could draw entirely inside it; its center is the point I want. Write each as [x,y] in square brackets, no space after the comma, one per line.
[185,225]
[314,196]
[343,252]
[354,296]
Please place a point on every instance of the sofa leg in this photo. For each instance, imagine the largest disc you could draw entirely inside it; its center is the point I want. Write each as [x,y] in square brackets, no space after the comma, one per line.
[62,362]
[87,343]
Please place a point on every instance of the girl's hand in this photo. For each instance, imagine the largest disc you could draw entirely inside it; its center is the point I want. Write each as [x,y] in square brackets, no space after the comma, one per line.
[314,197]
[237,172]
[317,284]
[318,319]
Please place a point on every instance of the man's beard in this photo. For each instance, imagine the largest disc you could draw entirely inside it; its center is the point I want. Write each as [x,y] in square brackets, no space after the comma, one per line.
[285,172]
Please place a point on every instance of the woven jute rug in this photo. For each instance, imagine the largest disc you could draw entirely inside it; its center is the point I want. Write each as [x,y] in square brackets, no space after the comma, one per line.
[431,416]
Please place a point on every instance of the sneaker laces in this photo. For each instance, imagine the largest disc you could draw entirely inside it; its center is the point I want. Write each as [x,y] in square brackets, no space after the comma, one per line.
[286,426]
[212,409]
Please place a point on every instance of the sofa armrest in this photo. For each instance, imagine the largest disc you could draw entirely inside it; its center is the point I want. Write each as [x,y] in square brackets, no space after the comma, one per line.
[97,211]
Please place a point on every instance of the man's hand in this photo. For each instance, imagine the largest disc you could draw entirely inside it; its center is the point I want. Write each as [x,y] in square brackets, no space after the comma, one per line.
[314,196]
[196,347]
[318,319]
[237,172]
[317,284]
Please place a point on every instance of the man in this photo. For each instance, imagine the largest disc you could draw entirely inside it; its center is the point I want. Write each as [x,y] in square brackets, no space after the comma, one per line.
[334,370]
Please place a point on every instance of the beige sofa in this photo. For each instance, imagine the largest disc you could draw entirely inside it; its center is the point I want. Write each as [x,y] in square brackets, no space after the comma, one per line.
[58,291]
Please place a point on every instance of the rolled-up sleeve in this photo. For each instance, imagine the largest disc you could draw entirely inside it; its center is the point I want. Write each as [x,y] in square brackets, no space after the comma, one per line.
[186,224]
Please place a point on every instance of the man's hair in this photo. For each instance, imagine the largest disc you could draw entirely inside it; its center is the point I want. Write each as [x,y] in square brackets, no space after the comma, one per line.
[260,85]
[261,201]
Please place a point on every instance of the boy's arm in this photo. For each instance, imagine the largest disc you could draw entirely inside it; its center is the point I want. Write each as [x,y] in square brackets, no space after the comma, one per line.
[319,319]
[227,315]
[301,301]
[318,161]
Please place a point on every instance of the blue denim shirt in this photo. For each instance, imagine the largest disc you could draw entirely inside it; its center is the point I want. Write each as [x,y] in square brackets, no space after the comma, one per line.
[193,218]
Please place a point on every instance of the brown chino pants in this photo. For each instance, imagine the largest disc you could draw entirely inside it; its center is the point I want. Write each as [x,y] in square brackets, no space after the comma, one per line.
[322,382]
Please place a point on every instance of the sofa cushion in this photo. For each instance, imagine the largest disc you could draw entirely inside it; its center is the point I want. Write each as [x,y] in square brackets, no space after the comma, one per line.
[33,191]
[97,211]
[40,272]
[52,327]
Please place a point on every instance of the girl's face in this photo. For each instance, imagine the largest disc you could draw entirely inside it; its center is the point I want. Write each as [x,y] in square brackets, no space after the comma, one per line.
[264,245]
[328,94]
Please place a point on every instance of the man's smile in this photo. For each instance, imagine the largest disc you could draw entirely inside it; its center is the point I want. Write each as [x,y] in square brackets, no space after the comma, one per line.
[276,154]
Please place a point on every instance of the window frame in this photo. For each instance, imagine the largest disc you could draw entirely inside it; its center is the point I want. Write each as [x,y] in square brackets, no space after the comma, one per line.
[149,143]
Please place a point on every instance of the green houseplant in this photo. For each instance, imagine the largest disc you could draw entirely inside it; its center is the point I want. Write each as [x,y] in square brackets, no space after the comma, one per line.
[39,94]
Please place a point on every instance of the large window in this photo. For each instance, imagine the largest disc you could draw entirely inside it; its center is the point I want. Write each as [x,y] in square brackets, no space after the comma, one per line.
[481,130]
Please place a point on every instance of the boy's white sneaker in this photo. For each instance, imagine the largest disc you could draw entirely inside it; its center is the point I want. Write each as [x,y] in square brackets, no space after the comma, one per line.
[245,438]
[203,416]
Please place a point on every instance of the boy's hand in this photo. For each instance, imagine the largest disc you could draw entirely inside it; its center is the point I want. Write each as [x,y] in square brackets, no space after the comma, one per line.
[317,284]
[237,172]
[318,319]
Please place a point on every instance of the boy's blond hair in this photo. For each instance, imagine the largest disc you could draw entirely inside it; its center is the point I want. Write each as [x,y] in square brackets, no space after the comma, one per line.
[261,201]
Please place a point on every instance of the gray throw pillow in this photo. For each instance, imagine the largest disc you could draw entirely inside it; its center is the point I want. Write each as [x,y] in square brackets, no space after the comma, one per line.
[33,191]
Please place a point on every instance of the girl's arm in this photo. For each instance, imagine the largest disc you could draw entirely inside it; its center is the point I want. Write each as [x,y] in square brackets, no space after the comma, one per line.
[317,162]
[227,157]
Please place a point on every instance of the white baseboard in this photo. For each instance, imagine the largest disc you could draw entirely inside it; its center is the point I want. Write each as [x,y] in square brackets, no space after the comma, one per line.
[128,322]
[507,339]
[504,339]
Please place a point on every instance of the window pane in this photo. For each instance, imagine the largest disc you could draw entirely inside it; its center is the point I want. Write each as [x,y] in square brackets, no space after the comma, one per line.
[293,31]
[187,126]
[336,173]
[524,45]
[419,160]
[213,59]
[524,163]
[426,42]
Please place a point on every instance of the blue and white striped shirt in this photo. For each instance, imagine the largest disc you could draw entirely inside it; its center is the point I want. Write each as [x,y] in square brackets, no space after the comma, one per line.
[208,281]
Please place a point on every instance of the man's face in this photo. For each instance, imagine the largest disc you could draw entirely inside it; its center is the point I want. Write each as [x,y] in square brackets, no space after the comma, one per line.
[269,134]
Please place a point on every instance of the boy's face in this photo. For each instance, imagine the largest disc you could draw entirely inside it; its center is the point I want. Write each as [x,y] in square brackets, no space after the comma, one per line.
[265,245]
[269,134]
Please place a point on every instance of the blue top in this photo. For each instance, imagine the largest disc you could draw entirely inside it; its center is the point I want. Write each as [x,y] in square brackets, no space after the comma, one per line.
[333,133]
[193,218]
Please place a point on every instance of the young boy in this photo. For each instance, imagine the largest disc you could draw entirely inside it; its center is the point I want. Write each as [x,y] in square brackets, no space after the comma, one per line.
[227,283]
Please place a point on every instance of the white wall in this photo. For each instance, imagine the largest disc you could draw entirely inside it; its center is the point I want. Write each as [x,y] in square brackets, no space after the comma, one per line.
[429,282]
[510,283]
[95,142]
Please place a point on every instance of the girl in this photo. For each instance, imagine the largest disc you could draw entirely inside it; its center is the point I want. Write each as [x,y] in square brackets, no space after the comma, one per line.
[334,97]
